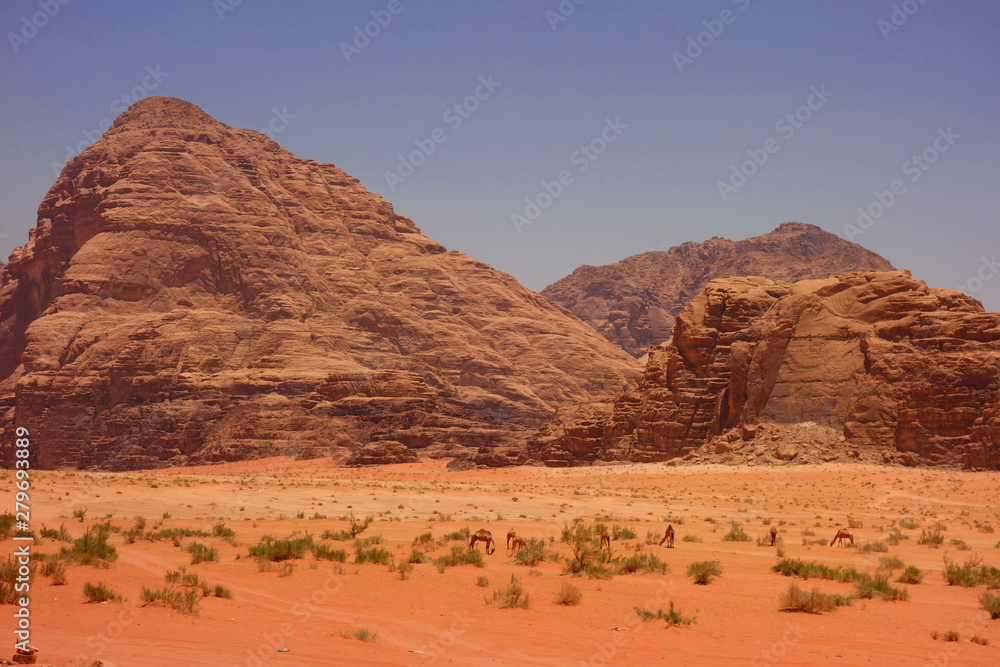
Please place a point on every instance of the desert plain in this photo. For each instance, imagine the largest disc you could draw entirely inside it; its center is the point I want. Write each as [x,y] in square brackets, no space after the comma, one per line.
[325,612]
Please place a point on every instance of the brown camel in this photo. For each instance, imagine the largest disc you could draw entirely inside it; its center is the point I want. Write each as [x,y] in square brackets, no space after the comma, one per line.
[842,534]
[517,544]
[668,537]
[510,535]
[484,536]
[605,540]
[774,535]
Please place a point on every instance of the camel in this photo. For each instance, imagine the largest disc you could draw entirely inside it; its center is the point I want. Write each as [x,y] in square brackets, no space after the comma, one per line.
[668,537]
[510,535]
[517,544]
[484,535]
[842,534]
[774,535]
[605,540]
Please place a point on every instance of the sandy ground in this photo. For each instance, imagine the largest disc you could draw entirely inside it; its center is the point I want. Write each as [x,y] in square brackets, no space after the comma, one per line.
[443,618]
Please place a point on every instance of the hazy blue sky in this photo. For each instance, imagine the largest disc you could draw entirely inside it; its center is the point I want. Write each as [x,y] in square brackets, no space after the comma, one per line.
[679,127]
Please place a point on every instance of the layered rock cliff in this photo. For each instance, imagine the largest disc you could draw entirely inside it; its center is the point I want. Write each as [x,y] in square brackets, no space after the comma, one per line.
[876,366]
[634,302]
[195,293]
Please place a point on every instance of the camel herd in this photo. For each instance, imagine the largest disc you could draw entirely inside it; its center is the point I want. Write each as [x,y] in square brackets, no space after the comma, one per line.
[515,543]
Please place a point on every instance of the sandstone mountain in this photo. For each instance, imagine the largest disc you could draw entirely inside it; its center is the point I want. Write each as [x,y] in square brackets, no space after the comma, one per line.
[873,366]
[634,302]
[196,293]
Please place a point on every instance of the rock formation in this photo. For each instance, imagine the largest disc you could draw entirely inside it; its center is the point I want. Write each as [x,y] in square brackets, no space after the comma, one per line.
[634,302]
[195,293]
[873,366]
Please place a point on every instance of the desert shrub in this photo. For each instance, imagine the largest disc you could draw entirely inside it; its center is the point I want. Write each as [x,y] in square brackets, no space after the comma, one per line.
[622,533]
[182,577]
[8,579]
[873,547]
[971,573]
[909,524]
[80,513]
[569,595]
[932,538]
[911,575]
[324,552]
[460,556]
[404,569]
[201,553]
[426,540]
[691,538]
[796,600]
[854,523]
[736,533]
[703,571]
[867,586]
[982,641]
[51,533]
[361,634]
[672,617]
[895,536]
[55,568]
[793,567]
[890,563]
[511,596]
[377,555]
[640,562]
[532,554]
[221,530]
[584,542]
[92,548]
[991,603]
[416,557]
[100,593]
[482,582]
[218,591]
[458,536]
[597,570]
[950,636]
[185,602]
[274,551]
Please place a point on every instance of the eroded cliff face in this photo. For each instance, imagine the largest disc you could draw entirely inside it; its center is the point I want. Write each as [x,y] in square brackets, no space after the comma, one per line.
[634,302]
[195,293]
[903,373]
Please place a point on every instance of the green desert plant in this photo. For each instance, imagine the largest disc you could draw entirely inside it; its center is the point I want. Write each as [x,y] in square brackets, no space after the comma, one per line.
[511,596]
[796,600]
[569,595]
[736,533]
[100,593]
[703,571]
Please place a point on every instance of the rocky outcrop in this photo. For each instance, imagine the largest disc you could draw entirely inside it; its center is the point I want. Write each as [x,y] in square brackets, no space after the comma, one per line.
[634,302]
[881,367]
[195,293]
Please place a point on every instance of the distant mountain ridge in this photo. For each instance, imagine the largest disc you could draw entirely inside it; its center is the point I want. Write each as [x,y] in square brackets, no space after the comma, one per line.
[633,303]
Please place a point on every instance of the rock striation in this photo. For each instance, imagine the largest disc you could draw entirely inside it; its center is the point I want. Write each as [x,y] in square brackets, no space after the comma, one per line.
[634,302]
[195,293]
[870,366]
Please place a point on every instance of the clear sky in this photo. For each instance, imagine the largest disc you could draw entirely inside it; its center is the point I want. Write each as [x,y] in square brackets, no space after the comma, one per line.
[670,100]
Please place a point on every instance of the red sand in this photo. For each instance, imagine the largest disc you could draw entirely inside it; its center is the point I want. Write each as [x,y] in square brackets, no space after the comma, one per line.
[442,618]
